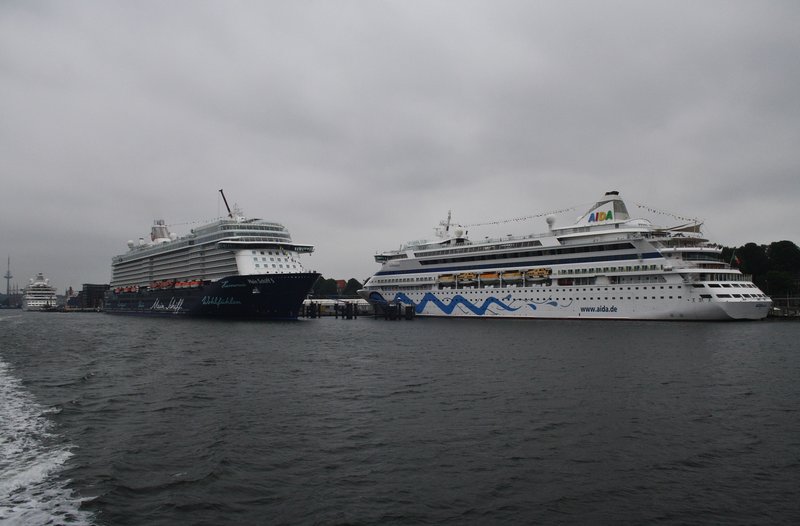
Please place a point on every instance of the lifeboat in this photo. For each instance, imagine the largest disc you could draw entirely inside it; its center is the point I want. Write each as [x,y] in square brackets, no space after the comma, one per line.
[192,283]
[490,277]
[512,276]
[466,277]
[447,279]
[538,274]
[165,284]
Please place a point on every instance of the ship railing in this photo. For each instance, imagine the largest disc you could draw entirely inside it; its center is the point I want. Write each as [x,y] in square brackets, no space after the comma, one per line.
[429,245]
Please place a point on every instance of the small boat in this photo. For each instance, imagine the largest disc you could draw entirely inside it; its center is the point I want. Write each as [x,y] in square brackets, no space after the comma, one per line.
[538,274]
[512,276]
[447,279]
[490,277]
[466,277]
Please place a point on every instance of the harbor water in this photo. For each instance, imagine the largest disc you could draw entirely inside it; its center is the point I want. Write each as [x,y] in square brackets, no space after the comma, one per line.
[108,420]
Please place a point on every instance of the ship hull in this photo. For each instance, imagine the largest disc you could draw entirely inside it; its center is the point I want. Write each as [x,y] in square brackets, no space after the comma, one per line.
[257,296]
[563,304]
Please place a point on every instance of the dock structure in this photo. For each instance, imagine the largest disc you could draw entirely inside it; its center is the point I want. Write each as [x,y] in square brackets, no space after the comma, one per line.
[350,309]
[347,309]
[785,308]
[395,311]
[399,311]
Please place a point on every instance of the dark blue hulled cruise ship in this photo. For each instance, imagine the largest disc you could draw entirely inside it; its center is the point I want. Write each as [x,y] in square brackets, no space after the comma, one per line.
[235,267]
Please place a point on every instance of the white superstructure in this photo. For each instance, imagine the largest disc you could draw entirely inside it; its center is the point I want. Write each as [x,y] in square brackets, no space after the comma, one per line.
[234,245]
[38,294]
[606,265]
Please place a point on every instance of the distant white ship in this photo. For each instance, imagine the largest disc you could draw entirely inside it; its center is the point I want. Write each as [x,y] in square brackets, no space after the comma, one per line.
[607,265]
[39,295]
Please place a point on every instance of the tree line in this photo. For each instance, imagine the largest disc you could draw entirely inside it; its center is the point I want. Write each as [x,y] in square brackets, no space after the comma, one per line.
[327,288]
[775,267]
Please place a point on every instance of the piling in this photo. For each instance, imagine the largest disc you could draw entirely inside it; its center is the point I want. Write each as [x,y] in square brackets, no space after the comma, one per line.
[397,311]
[349,311]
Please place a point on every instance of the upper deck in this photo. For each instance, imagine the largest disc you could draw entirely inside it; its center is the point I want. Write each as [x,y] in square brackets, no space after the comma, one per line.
[606,222]
[227,234]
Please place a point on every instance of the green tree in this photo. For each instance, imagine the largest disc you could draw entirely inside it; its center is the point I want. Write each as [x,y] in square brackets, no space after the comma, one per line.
[779,284]
[754,261]
[784,256]
[327,287]
[351,289]
[753,258]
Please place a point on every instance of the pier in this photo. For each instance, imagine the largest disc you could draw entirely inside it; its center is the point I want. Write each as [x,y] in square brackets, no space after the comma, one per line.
[346,309]
[785,308]
[398,311]
[352,309]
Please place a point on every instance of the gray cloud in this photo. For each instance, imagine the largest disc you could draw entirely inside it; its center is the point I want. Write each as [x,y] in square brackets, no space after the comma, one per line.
[359,124]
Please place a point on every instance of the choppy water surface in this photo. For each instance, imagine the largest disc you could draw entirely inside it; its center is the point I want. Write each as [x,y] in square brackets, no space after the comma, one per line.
[114,420]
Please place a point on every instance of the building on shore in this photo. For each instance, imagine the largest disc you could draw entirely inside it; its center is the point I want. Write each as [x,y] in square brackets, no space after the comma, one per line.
[91,296]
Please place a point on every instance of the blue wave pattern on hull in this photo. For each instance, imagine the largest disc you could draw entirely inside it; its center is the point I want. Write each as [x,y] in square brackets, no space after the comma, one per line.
[457,300]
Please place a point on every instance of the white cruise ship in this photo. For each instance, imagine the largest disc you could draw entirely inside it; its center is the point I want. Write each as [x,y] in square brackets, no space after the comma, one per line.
[607,265]
[38,294]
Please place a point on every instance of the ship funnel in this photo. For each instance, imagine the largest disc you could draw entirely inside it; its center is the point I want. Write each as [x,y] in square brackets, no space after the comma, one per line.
[611,208]
[159,233]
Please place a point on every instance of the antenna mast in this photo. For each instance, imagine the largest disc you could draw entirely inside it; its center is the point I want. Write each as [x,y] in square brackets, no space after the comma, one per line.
[8,277]
[226,203]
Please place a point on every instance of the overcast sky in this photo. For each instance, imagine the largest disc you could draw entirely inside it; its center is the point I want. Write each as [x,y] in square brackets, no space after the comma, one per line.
[359,124]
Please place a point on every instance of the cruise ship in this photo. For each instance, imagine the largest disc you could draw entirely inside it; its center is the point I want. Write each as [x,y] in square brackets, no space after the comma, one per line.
[234,267]
[38,294]
[607,265]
